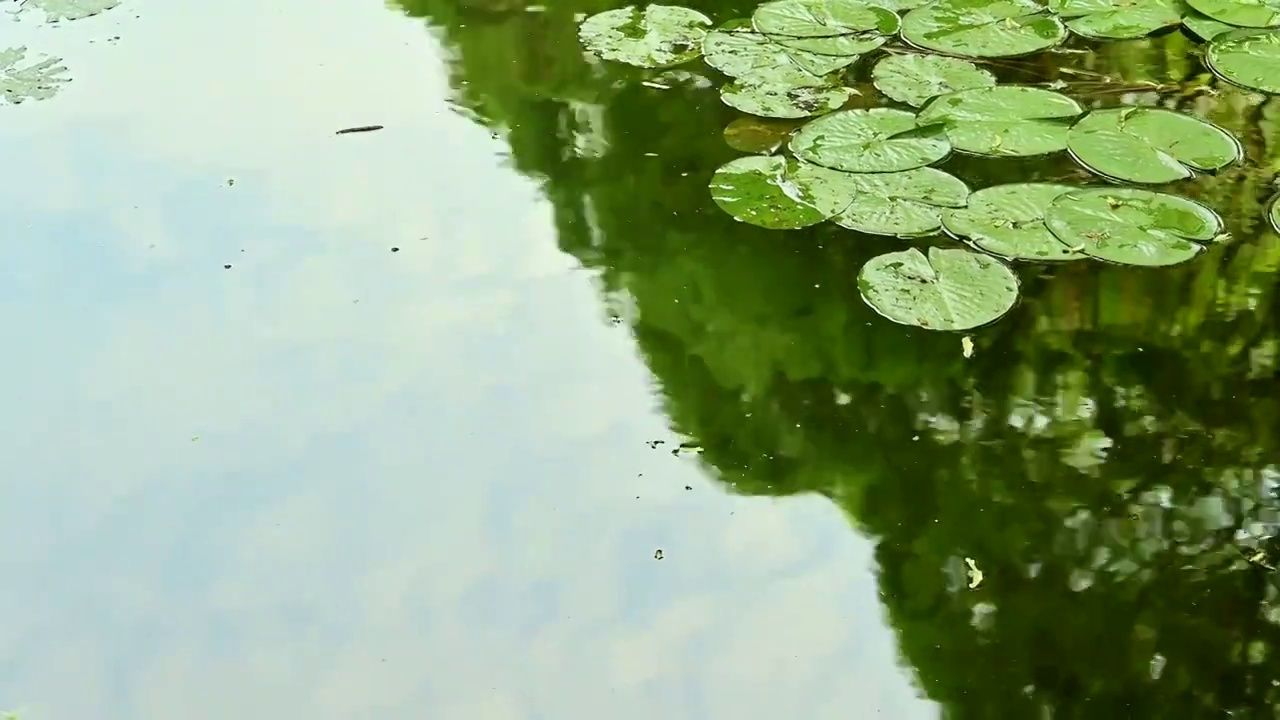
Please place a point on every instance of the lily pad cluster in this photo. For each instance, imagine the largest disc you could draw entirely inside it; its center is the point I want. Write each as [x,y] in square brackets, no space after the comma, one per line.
[24,78]
[877,164]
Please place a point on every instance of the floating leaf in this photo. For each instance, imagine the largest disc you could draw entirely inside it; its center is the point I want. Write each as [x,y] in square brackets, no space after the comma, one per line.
[823,18]
[757,135]
[1118,19]
[1004,120]
[1247,58]
[1205,27]
[1008,220]
[21,82]
[946,290]
[657,36]
[873,140]
[842,46]
[902,204]
[913,79]
[983,28]
[56,10]
[784,101]
[1131,226]
[1149,145]
[736,51]
[761,190]
[1244,13]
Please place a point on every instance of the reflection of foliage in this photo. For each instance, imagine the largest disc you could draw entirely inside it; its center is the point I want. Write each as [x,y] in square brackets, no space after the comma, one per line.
[1108,458]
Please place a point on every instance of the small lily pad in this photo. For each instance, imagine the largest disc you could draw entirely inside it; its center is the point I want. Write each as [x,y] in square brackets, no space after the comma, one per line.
[1129,226]
[1008,220]
[1149,145]
[1004,120]
[899,204]
[1118,19]
[21,81]
[57,10]
[761,190]
[657,36]
[784,101]
[1250,13]
[1205,27]
[983,28]
[823,18]
[758,135]
[751,57]
[946,290]
[870,140]
[1250,59]
[913,79]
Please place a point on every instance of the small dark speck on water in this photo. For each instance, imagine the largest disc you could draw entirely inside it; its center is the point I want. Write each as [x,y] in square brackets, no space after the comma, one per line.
[657,554]
[395,249]
[359,129]
[688,487]
[227,266]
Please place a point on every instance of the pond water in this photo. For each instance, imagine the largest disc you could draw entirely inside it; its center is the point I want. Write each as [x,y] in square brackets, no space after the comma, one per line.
[494,414]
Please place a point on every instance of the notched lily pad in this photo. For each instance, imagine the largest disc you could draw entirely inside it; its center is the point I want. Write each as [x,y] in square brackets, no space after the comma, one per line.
[57,10]
[913,79]
[1008,221]
[1243,13]
[762,190]
[1129,226]
[983,28]
[1004,120]
[1118,19]
[784,101]
[737,51]
[899,204]
[1250,59]
[870,140]
[657,36]
[944,290]
[1149,145]
[21,81]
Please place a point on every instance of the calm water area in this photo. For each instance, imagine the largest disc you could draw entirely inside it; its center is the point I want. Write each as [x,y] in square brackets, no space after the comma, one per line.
[492,414]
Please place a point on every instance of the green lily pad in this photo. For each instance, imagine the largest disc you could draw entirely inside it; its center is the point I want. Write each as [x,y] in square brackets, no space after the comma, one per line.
[1129,226]
[20,81]
[983,28]
[1004,120]
[900,204]
[913,79]
[758,135]
[762,190]
[657,36]
[945,290]
[872,140]
[1247,58]
[1118,19]
[1149,145]
[842,46]
[1243,13]
[56,10]
[736,51]
[823,18]
[1008,220]
[1205,27]
[784,101]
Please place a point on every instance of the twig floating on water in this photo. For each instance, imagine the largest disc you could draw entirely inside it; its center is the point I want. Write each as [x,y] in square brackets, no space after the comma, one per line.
[362,128]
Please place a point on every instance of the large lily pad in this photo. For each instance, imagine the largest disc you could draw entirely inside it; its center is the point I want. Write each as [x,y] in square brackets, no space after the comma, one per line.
[751,57]
[872,140]
[913,79]
[1205,27]
[1246,58]
[1149,145]
[983,28]
[762,190]
[1118,19]
[56,10]
[901,204]
[1131,226]
[20,81]
[657,36]
[1004,120]
[1008,220]
[784,101]
[945,290]
[823,18]
[1243,13]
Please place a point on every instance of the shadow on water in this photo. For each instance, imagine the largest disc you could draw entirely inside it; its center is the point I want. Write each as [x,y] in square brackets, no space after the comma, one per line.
[1078,521]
